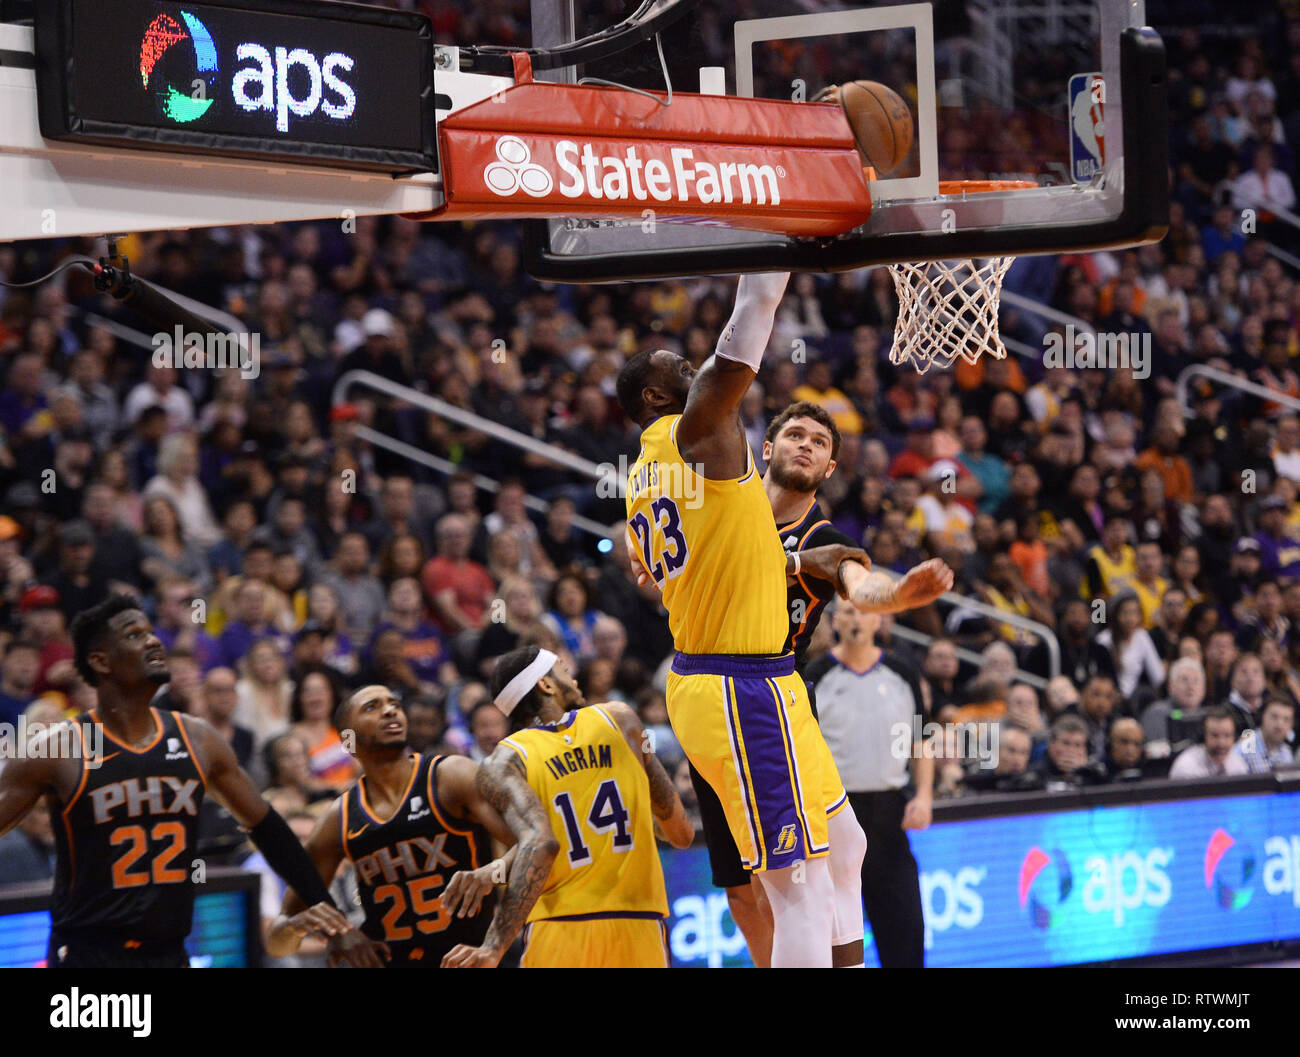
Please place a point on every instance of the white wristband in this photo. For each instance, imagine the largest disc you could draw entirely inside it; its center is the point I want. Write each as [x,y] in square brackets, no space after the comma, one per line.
[798,562]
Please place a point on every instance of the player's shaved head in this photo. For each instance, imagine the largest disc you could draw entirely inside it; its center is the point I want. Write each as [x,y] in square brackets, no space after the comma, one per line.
[654,382]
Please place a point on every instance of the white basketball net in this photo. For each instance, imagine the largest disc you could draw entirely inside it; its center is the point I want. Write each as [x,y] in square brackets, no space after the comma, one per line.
[947,309]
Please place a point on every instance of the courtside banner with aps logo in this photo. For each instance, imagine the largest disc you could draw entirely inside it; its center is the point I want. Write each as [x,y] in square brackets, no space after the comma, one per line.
[565,150]
[1065,887]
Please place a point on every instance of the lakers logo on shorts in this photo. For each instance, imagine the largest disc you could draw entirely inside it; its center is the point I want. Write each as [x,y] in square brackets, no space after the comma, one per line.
[786,841]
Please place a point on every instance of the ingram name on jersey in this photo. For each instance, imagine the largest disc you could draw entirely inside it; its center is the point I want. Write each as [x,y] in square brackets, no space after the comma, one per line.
[595,791]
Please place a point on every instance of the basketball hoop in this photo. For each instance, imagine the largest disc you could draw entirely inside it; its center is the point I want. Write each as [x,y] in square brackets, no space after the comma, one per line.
[948,309]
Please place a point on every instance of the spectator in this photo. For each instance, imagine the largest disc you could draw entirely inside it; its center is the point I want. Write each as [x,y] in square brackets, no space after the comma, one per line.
[426,726]
[1137,661]
[1096,707]
[315,698]
[487,726]
[1146,581]
[323,612]
[117,553]
[1170,722]
[166,550]
[572,617]
[42,623]
[1112,561]
[159,389]
[1213,757]
[401,555]
[78,585]
[291,785]
[264,692]
[423,644]
[359,593]
[1270,745]
[1125,758]
[181,694]
[1011,773]
[177,480]
[388,666]
[1249,690]
[252,624]
[1265,623]
[1023,713]
[22,663]
[27,852]
[1066,762]
[459,588]
[218,699]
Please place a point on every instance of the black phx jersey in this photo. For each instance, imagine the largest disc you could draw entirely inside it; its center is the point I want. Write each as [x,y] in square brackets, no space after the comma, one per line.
[403,864]
[127,840]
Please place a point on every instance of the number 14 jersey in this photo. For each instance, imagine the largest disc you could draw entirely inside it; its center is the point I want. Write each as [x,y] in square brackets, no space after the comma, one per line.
[596,795]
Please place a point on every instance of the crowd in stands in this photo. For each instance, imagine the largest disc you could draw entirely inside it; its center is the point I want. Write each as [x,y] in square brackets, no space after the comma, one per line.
[285,559]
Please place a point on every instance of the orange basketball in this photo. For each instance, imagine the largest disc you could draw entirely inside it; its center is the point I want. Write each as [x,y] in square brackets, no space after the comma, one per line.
[880,119]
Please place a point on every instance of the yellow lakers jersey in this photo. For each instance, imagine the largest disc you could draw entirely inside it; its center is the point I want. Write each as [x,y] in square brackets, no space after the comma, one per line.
[711,546]
[596,793]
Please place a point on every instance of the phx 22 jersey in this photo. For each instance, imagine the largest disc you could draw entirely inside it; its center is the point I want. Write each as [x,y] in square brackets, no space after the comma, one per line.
[403,863]
[127,839]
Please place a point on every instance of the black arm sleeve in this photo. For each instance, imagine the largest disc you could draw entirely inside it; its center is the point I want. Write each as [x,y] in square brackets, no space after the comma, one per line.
[287,857]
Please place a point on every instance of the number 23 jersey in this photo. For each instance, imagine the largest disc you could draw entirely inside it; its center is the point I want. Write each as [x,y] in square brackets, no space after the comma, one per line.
[596,795]
[712,547]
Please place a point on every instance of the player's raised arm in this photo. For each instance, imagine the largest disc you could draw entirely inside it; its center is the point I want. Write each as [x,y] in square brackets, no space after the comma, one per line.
[504,784]
[873,592]
[230,784]
[24,780]
[458,790]
[710,432]
[670,815]
[296,920]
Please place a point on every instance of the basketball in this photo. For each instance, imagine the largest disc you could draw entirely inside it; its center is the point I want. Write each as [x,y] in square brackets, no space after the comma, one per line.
[880,119]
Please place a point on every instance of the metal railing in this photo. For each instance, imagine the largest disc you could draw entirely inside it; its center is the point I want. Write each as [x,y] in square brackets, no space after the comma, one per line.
[1039,631]
[470,420]
[1200,370]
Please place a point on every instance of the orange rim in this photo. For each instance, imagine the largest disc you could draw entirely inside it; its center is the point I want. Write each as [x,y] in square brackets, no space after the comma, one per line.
[979,187]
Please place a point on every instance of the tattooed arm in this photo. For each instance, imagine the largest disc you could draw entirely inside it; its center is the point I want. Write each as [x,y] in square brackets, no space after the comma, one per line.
[503,783]
[670,816]
[877,593]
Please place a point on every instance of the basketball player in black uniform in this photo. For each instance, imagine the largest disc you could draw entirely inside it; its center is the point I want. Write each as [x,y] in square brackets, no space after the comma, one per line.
[800,447]
[124,784]
[408,825]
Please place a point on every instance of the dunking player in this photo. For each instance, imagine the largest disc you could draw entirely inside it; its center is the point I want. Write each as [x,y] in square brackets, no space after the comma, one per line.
[409,825]
[800,449]
[703,528]
[592,773]
[127,820]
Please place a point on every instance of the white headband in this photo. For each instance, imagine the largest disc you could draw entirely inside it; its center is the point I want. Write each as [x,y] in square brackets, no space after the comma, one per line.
[517,689]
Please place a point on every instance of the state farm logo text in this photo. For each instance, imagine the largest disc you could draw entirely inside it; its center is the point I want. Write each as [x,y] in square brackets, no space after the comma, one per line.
[677,176]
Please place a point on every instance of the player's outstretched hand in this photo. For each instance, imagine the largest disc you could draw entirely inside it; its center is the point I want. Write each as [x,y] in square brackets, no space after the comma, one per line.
[463,956]
[463,896]
[923,584]
[356,950]
[824,562]
[323,921]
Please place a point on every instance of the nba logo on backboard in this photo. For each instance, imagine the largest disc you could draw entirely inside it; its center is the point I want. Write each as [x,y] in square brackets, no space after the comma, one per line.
[1087,126]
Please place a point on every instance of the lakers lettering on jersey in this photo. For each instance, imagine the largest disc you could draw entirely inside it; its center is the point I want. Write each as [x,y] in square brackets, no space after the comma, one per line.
[597,796]
[712,548]
[403,864]
[127,839]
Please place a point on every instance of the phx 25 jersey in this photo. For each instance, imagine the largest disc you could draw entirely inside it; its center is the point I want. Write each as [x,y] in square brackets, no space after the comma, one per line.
[404,862]
[128,837]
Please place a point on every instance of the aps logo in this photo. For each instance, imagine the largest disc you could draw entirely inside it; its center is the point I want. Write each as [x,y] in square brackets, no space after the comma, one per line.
[1045,883]
[163,34]
[279,81]
[1229,870]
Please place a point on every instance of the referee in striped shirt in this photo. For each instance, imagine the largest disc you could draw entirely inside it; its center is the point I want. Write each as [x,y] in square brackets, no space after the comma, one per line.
[866,698]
